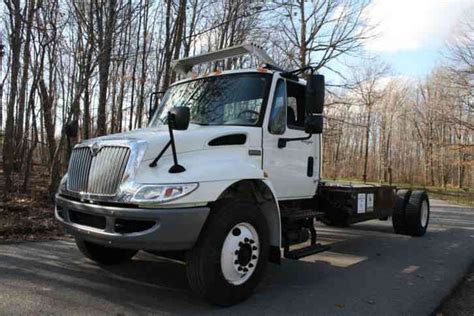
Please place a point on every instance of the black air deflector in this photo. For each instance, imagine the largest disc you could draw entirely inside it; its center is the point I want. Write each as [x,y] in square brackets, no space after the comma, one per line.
[85,219]
[233,139]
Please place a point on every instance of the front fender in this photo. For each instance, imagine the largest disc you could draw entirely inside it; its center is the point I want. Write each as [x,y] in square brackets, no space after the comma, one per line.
[214,169]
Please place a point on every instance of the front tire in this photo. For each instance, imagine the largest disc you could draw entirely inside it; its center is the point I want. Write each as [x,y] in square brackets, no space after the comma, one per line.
[230,257]
[104,255]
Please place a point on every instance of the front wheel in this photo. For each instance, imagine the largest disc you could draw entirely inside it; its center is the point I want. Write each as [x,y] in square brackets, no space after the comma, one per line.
[104,255]
[230,257]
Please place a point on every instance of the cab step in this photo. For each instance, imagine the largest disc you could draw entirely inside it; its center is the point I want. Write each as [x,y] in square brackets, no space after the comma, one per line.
[306,251]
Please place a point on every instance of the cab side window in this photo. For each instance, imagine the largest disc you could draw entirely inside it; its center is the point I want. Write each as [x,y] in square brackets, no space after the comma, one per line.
[296,111]
[278,114]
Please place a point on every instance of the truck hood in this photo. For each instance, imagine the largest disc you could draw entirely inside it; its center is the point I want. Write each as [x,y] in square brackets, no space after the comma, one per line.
[195,138]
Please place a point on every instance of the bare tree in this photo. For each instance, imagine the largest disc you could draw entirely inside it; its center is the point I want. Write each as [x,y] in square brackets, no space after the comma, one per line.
[2,81]
[314,33]
[367,88]
[106,15]
[23,83]
[14,9]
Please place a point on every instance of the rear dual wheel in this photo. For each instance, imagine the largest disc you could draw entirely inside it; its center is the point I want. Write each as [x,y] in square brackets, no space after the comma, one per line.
[412,213]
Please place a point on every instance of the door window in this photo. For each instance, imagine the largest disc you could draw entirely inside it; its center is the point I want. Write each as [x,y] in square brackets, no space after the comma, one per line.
[296,111]
[278,113]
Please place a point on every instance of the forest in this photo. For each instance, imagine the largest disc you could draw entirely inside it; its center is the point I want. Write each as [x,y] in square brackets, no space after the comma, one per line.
[92,64]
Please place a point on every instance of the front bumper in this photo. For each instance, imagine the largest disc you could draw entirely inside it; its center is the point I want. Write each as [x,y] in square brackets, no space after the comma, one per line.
[132,228]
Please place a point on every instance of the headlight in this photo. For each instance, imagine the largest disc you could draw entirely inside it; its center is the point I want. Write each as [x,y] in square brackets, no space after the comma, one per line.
[62,184]
[163,193]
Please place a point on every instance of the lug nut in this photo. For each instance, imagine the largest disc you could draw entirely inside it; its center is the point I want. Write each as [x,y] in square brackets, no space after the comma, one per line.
[239,268]
[246,239]
[236,262]
[252,241]
[236,252]
[250,265]
[246,270]
[254,257]
[254,248]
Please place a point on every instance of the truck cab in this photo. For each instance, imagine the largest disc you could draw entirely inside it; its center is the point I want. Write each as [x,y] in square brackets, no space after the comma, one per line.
[225,175]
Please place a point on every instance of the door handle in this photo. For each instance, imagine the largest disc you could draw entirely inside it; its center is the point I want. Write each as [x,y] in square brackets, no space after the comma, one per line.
[310,169]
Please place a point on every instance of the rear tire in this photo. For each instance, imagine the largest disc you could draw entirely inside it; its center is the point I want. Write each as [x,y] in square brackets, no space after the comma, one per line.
[398,217]
[104,255]
[417,213]
[230,257]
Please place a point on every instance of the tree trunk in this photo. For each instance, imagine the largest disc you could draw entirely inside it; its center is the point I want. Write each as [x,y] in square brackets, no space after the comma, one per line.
[167,47]
[180,22]
[144,67]
[23,84]
[47,105]
[9,140]
[302,35]
[105,40]
[367,136]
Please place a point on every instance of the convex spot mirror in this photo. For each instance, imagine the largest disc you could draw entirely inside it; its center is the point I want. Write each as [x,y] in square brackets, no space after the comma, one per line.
[179,116]
[314,95]
[313,124]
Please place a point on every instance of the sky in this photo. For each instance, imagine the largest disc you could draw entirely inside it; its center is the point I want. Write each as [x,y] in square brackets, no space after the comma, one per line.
[412,34]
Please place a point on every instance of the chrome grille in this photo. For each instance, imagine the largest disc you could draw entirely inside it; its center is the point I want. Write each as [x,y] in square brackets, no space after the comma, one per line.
[99,174]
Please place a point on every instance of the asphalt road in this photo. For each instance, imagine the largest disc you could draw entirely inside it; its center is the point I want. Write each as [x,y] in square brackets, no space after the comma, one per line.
[369,270]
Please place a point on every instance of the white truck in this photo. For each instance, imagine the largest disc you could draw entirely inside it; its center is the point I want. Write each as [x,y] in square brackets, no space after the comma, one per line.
[226,177]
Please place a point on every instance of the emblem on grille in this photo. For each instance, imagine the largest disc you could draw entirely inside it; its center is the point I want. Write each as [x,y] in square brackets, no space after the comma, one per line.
[95,148]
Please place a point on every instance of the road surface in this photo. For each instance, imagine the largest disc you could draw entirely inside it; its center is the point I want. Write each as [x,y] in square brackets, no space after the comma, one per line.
[369,270]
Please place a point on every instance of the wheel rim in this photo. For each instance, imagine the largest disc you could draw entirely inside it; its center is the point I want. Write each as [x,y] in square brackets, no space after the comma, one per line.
[240,253]
[424,213]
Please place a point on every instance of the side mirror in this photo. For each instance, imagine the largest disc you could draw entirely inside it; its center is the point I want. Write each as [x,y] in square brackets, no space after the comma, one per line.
[72,129]
[179,116]
[314,95]
[313,124]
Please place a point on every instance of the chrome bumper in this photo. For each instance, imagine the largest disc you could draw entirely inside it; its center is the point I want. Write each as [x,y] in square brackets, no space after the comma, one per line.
[165,229]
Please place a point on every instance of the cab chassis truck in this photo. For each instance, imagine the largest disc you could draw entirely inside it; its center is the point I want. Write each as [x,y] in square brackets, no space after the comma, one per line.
[225,177]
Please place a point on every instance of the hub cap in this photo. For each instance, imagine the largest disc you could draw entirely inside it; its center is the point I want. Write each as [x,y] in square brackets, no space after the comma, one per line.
[240,253]
[424,213]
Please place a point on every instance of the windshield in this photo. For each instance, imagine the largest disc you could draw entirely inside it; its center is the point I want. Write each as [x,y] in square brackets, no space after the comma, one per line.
[234,99]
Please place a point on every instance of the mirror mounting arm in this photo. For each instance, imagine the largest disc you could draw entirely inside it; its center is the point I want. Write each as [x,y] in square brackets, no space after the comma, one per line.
[176,168]
[155,161]
[282,141]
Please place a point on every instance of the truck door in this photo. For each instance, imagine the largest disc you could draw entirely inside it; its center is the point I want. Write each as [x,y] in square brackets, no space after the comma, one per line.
[294,168]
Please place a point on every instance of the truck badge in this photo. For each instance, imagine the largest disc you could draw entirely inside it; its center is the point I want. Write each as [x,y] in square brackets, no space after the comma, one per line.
[95,148]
